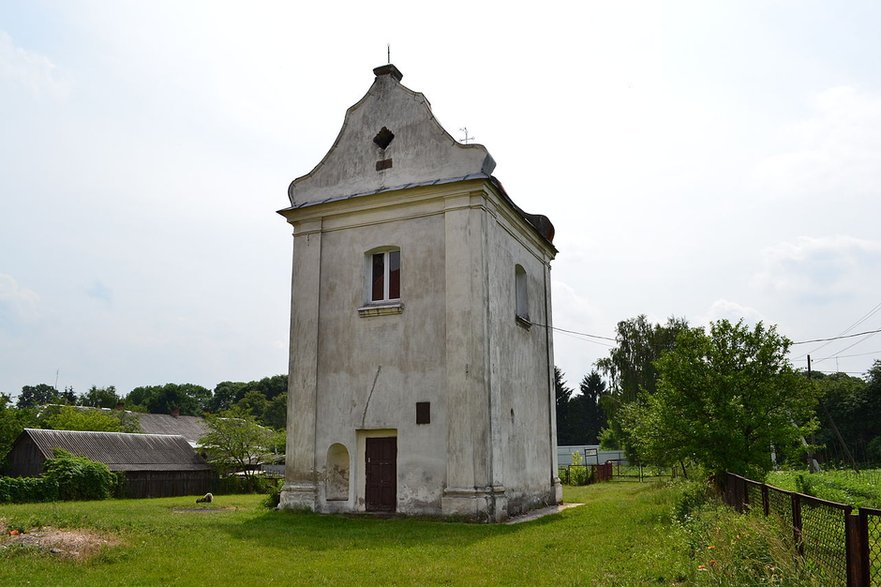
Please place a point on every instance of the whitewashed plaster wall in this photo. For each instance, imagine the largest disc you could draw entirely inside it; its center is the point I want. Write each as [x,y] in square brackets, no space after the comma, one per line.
[454,341]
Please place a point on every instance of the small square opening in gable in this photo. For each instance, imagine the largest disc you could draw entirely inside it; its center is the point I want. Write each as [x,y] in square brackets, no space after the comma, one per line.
[384,138]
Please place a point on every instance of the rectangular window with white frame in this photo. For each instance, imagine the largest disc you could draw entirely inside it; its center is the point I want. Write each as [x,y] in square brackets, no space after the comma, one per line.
[385,276]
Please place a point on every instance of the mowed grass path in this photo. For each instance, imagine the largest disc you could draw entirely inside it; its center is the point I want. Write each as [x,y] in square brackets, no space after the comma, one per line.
[622,536]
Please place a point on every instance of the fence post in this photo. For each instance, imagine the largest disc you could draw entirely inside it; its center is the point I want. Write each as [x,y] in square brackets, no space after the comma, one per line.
[796,523]
[766,504]
[731,490]
[856,545]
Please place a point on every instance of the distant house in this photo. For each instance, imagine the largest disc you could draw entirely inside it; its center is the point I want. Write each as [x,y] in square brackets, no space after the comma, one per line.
[155,465]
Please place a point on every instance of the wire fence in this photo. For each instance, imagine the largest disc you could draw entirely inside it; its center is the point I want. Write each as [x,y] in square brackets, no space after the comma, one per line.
[839,547]
[870,522]
[613,470]
[585,474]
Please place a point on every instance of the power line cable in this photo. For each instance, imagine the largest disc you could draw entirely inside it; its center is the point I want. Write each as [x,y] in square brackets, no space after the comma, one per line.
[859,321]
[576,332]
[596,337]
[851,346]
[582,339]
[837,337]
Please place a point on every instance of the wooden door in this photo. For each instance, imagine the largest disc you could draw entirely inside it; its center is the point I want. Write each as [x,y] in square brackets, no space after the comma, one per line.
[381,491]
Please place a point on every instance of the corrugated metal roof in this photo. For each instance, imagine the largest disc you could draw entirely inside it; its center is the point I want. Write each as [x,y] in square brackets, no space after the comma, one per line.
[190,427]
[121,451]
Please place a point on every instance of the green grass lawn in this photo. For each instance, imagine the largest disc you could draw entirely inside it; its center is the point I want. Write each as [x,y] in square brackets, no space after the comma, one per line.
[858,489]
[622,536]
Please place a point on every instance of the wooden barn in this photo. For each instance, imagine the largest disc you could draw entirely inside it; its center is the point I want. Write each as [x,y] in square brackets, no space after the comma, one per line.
[155,465]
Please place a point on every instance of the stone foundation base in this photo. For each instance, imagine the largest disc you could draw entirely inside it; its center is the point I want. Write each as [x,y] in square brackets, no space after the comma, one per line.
[487,504]
[299,496]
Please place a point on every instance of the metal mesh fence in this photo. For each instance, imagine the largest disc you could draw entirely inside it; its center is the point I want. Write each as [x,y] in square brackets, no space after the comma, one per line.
[873,542]
[837,547]
[780,505]
[754,497]
[823,538]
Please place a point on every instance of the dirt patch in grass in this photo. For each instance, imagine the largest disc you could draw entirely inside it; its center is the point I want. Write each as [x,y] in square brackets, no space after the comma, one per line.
[198,510]
[76,544]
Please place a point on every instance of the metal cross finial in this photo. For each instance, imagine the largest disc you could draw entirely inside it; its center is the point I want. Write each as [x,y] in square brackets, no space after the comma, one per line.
[388,52]
[466,139]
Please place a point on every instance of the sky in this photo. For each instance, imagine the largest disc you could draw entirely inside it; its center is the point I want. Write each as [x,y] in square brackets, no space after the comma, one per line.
[703,160]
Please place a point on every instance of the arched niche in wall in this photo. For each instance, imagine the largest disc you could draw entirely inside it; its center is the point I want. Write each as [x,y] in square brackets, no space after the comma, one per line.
[337,480]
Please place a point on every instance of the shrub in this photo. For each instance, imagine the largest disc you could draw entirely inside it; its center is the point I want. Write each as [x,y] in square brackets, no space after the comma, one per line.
[119,485]
[232,484]
[805,485]
[78,477]
[732,549]
[729,548]
[695,494]
[27,489]
[274,498]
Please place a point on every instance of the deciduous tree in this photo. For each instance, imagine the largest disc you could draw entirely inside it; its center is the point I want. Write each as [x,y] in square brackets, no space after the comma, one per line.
[236,442]
[71,418]
[630,365]
[723,399]
[12,422]
[38,395]
[100,397]
[190,399]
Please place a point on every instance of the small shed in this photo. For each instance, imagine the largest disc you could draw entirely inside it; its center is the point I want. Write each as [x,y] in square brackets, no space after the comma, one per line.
[155,465]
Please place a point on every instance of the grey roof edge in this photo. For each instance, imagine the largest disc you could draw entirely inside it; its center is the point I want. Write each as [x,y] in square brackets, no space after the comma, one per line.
[428,182]
[81,442]
[540,223]
[102,432]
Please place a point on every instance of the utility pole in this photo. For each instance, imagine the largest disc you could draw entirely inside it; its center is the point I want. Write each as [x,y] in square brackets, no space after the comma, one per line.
[813,465]
[853,462]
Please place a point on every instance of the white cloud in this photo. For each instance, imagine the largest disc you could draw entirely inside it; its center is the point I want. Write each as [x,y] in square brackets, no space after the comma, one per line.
[821,269]
[31,71]
[835,151]
[18,305]
[723,309]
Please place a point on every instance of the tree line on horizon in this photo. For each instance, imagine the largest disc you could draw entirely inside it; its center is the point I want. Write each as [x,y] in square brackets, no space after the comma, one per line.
[263,401]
